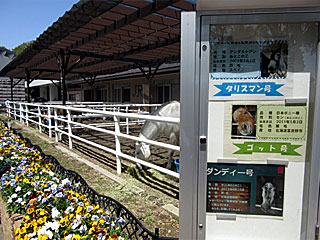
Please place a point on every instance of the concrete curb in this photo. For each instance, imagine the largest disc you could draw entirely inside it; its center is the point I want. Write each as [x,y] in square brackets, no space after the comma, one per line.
[171,209]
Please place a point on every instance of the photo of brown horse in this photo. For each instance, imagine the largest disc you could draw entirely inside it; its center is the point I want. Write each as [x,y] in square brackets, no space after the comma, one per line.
[244,121]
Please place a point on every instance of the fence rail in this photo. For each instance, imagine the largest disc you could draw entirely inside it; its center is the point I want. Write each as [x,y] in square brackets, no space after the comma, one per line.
[62,120]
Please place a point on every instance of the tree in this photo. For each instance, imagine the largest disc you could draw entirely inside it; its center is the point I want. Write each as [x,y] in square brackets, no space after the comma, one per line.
[19,49]
[4,48]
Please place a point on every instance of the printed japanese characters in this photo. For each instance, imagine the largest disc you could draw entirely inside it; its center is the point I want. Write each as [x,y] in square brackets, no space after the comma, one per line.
[248,69]
[245,188]
[248,60]
[281,122]
[235,59]
[256,131]
[229,197]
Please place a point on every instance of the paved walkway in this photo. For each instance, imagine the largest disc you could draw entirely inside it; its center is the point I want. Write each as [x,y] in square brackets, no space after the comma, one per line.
[1,233]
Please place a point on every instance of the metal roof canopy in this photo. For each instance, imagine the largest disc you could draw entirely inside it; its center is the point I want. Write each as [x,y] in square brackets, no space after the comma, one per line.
[100,37]
[104,37]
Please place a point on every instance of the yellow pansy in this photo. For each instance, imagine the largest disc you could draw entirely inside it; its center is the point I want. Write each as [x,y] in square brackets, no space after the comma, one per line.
[30,210]
[25,218]
[26,237]
[42,237]
[17,231]
[41,212]
[26,180]
[101,221]
[63,222]
[79,209]
[94,223]
[97,207]
[42,220]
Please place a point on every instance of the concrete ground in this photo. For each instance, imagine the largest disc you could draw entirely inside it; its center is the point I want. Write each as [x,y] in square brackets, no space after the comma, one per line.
[1,233]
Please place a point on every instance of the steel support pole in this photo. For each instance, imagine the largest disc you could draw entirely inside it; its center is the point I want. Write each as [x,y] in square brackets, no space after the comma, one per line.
[11,87]
[28,78]
[64,89]
[63,61]
[150,86]
[150,77]
[90,80]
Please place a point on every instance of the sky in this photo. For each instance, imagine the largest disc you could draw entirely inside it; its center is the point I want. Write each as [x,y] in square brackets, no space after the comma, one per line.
[24,20]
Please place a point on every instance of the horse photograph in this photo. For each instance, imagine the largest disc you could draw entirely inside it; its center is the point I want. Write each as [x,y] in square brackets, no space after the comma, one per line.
[269,195]
[244,121]
[274,58]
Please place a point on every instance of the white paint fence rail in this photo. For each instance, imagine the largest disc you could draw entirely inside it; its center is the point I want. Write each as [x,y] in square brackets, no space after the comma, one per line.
[62,119]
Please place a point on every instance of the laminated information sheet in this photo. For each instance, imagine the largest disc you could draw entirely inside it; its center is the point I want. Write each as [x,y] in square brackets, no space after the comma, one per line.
[245,188]
[257,130]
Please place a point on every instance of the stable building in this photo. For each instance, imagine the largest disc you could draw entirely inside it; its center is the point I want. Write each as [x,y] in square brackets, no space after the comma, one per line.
[109,52]
[11,89]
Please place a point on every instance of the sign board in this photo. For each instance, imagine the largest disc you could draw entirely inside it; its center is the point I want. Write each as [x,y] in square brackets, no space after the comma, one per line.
[260,130]
[255,74]
[245,189]
[250,77]
[206,5]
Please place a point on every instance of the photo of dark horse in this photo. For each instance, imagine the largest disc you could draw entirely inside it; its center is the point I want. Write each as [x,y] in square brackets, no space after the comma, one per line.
[274,60]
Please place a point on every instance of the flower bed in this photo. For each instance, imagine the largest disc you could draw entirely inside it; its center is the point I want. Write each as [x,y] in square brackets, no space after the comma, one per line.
[51,205]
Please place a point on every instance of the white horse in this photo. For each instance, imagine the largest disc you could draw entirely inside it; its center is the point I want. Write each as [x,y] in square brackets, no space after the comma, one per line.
[152,129]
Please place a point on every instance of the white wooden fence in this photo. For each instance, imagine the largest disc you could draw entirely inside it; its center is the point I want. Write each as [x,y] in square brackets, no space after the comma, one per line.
[62,119]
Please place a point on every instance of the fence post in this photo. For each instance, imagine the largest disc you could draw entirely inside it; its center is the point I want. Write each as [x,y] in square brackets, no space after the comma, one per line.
[139,110]
[15,111]
[8,109]
[104,109]
[20,112]
[27,116]
[49,122]
[118,144]
[69,129]
[127,120]
[56,124]
[39,119]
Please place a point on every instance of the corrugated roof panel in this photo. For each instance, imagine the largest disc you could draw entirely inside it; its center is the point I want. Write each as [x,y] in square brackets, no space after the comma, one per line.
[170,13]
[142,30]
